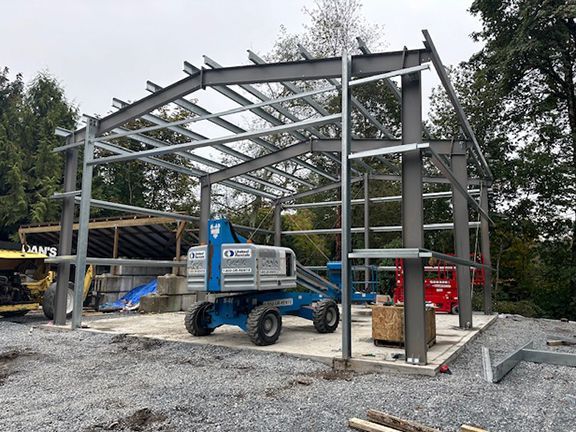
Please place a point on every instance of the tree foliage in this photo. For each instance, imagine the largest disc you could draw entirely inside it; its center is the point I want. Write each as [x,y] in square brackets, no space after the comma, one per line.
[145,185]
[29,171]
[519,93]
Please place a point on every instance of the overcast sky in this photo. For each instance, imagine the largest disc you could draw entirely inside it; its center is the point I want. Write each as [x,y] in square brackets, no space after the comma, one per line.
[100,49]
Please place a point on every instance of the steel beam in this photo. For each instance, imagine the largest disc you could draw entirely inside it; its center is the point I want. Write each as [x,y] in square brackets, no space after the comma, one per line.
[205,203]
[387,75]
[445,80]
[66,232]
[220,140]
[486,257]
[366,144]
[198,110]
[550,357]
[391,84]
[278,224]
[413,253]
[189,171]
[83,221]
[364,65]
[138,210]
[456,185]
[116,261]
[346,213]
[238,98]
[375,200]
[317,190]
[220,147]
[413,221]
[377,229]
[366,231]
[411,147]
[355,102]
[427,179]
[309,100]
[462,239]
[255,164]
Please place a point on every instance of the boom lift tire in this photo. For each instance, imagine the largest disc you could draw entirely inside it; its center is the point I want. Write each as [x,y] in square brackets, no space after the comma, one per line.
[49,299]
[326,316]
[264,325]
[196,318]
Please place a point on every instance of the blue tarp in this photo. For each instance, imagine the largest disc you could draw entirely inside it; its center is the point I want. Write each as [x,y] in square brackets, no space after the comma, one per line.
[131,300]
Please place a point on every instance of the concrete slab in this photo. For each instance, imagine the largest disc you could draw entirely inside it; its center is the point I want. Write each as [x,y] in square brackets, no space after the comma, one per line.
[299,338]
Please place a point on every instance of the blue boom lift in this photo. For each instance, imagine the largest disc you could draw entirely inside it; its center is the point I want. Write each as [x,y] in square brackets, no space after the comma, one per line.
[251,286]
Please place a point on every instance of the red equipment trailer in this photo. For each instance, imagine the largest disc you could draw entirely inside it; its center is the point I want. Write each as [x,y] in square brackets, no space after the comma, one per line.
[440,284]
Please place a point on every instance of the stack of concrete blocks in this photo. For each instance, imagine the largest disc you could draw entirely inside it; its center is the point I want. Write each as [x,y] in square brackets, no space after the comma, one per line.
[110,287]
[172,294]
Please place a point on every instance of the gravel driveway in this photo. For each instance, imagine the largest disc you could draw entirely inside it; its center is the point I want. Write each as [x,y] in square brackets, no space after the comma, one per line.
[80,381]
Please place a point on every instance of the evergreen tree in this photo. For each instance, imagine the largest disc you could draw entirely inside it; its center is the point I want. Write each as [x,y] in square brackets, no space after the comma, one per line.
[29,171]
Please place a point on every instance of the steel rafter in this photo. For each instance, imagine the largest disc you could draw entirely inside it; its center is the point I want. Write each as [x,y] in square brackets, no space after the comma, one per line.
[198,137]
[220,140]
[358,105]
[196,109]
[265,115]
[254,58]
[447,84]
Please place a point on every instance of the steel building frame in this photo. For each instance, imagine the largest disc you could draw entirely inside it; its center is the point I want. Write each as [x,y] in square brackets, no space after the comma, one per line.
[351,156]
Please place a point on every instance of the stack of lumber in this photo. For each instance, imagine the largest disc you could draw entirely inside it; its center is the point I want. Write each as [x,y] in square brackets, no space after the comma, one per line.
[379,421]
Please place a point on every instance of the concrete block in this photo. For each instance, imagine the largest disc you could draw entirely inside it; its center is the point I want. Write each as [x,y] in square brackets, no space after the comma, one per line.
[153,304]
[174,303]
[141,280]
[172,285]
[111,283]
[160,303]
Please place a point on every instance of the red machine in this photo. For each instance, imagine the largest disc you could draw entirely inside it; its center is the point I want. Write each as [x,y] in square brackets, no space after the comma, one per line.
[440,284]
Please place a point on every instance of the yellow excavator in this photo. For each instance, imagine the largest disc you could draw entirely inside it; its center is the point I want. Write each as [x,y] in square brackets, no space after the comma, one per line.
[26,282]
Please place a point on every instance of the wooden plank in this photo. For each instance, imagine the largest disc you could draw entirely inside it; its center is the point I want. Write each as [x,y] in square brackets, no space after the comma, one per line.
[469,428]
[398,423]
[97,224]
[366,426]
[559,341]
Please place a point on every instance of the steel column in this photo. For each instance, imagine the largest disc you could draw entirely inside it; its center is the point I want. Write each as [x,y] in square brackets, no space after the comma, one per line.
[205,200]
[485,247]
[346,217]
[83,221]
[462,239]
[412,221]
[366,229]
[278,224]
[66,234]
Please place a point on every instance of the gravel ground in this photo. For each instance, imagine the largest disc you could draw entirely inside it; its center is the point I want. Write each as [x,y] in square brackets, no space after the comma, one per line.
[79,381]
